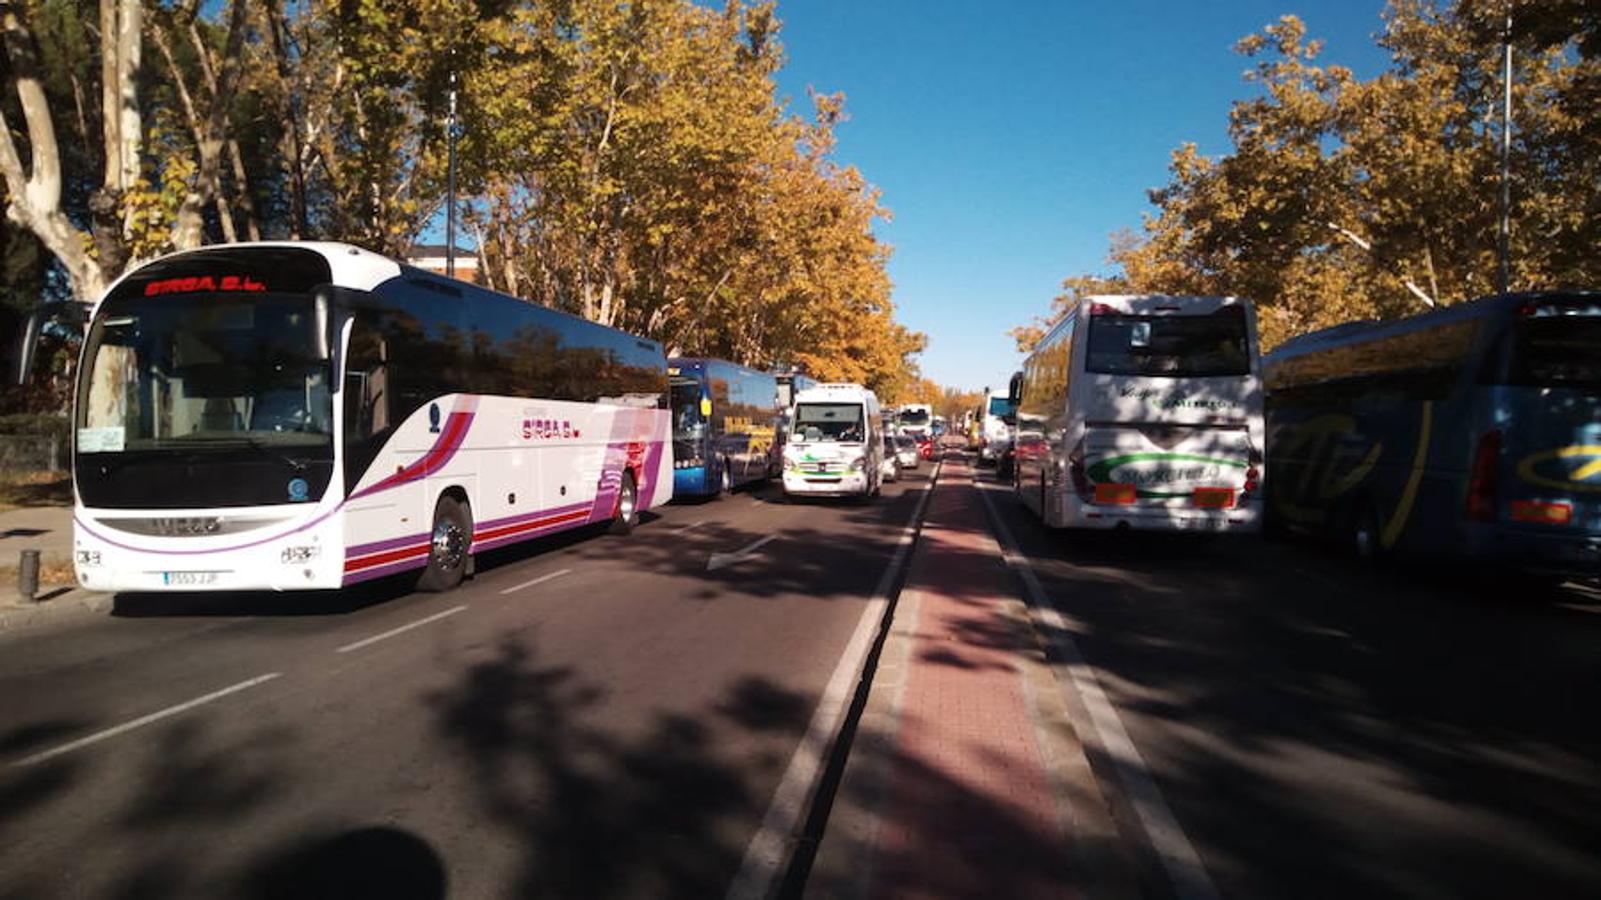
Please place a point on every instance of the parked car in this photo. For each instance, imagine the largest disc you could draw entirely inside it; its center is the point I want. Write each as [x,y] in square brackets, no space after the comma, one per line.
[906,451]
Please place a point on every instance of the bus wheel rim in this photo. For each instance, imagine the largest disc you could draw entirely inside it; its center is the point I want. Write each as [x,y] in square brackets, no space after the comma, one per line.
[625,503]
[449,543]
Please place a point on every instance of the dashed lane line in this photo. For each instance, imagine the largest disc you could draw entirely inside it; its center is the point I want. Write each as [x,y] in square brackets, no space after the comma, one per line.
[401,630]
[548,576]
[1179,860]
[142,721]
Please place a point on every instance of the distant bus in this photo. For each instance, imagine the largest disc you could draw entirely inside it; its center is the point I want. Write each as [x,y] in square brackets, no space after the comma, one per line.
[790,384]
[1144,412]
[836,447]
[1467,433]
[307,415]
[725,425]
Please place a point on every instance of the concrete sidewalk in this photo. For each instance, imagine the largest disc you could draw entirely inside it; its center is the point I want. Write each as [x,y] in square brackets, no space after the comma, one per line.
[965,778]
[47,529]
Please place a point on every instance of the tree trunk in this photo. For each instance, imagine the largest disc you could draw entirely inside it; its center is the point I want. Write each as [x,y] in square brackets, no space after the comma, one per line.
[34,199]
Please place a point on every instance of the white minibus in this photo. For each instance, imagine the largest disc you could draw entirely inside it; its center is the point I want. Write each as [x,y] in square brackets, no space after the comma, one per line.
[836,445]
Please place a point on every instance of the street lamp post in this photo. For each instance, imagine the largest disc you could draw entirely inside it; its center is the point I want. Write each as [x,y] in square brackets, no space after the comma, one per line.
[450,181]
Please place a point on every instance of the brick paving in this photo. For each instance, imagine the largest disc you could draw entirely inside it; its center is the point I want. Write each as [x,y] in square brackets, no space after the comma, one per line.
[967,808]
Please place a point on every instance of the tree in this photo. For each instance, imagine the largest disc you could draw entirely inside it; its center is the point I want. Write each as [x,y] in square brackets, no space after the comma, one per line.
[1345,199]
[34,189]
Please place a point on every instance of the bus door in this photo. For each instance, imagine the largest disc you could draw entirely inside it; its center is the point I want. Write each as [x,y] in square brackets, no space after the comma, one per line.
[1546,432]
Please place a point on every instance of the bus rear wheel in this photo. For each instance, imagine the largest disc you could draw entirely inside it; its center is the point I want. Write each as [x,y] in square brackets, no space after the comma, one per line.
[626,515]
[449,543]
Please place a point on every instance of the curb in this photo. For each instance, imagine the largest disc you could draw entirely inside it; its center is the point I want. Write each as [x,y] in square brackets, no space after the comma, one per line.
[73,603]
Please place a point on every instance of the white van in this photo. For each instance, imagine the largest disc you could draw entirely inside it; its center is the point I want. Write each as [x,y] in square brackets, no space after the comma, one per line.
[836,443]
[1144,412]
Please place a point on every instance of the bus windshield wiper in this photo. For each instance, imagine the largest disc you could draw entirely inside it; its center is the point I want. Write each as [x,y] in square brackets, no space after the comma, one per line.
[297,465]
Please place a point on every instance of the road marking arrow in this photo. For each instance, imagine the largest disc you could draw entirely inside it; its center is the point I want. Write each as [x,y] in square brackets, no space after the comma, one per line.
[719,560]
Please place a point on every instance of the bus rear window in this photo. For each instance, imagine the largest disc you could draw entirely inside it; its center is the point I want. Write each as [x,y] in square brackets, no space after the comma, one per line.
[1202,346]
[1557,351]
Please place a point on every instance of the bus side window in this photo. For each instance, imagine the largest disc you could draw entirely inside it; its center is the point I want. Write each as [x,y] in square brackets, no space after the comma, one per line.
[367,397]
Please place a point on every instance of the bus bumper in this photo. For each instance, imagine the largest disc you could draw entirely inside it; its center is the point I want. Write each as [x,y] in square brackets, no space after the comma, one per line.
[1535,551]
[1237,520]
[274,558]
[843,485]
[690,480]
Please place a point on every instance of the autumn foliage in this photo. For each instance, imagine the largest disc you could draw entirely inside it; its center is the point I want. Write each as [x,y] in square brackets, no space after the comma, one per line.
[1344,198]
[629,162]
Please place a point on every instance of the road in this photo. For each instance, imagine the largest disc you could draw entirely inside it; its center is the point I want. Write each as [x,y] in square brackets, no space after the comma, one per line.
[1321,730]
[615,729]
[601,716]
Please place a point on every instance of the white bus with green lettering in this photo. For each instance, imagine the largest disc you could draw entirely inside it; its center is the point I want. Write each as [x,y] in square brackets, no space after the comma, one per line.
[1144,412]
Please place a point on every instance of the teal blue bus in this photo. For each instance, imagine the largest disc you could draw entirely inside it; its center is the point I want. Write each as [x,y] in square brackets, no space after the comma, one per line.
[1469,434]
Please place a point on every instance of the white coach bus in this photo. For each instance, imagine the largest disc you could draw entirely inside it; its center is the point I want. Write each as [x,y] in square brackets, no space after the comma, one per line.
[1144,412]
[309,415]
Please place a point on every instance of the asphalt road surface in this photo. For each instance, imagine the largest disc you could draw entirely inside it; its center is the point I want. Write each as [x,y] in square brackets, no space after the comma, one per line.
[590,716]
[601,716]
[1318,729]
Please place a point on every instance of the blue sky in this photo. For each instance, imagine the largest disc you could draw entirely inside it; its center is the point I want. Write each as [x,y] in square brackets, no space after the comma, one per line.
[1011,138]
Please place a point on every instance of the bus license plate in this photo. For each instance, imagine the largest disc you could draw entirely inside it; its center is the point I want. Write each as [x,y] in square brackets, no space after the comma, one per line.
[190,579]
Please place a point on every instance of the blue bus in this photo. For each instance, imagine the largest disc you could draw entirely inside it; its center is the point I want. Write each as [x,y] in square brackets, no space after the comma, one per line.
[726,421]
[1469,434]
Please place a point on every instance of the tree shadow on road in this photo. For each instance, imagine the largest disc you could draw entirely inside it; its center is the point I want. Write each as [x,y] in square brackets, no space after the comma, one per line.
[1325,729]
[598,815]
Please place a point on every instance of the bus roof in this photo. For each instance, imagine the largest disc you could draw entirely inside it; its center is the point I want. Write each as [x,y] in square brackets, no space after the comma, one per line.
[1365,330]
[1152,304]
[352,266]
[835,392]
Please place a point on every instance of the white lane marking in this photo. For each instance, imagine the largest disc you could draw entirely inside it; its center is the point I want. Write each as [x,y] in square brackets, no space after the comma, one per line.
[1179,859]
[401,630]
[767,854]
[142,721]
[719,560]
[540,580]
[690,527]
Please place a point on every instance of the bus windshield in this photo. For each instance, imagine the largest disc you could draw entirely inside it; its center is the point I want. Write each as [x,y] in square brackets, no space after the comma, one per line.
[828,422]
[688,423]
[1202,346]
[1000,406]
[914,417]
[204,370]
[1558,351]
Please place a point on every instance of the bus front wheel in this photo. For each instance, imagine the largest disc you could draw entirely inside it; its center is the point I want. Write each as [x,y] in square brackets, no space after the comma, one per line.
[449,544]
[626,515]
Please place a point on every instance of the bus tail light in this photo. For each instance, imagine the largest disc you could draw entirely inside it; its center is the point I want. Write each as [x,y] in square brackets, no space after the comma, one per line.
[1484,477]
[1253,481]
[1542,513]
[1116,493]
[1214,497]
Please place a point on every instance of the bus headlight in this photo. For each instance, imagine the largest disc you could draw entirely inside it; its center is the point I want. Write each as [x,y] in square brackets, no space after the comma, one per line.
[858,463]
